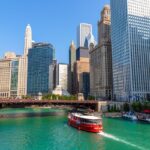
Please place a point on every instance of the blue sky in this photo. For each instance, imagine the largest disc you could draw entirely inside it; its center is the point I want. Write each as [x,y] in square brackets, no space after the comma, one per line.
[53,21]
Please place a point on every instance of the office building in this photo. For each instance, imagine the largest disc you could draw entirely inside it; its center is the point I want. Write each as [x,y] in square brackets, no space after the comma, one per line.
[83,32]
[52,76]
[40,58]
[82,54]
[22,76]
[101,59]
[62,76]
[72,60]
[9,75]
[28,40]
[81,71]
[5,78]
[14,77]
[23,63]
[131,49]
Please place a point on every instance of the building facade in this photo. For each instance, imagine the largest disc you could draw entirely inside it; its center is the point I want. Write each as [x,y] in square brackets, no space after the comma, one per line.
[62,76]
[5,78]
[101,59]
[72,60]
[131,49]
[14,77]
[81,72]
[52,76]
[23,63]
[82,54]
[22,76]
[9,75]
[40,57]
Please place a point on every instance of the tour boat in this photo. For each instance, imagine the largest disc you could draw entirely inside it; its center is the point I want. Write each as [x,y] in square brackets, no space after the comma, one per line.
[89,123]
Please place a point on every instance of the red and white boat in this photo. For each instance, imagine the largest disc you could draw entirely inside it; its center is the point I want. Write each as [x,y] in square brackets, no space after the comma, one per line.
[88,123]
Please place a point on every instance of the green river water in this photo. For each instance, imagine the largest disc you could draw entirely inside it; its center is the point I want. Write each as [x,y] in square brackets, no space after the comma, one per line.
[53,133]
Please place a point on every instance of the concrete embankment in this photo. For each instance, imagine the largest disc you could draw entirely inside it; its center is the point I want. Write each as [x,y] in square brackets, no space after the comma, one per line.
[113,114]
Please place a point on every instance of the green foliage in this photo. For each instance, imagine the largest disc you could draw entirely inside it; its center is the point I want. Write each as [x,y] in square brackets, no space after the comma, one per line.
[126,107]
[146,105]
[58,97]
[26,97]
[140,106]
[137,106]
[91,97]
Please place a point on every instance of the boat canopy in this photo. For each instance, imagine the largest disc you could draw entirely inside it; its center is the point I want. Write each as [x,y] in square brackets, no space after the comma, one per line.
[86,116]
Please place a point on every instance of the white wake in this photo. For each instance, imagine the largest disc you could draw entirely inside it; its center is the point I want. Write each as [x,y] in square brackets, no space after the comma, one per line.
[120,140]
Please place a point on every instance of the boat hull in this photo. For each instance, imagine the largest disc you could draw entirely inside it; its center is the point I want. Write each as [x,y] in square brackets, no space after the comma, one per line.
[95,128]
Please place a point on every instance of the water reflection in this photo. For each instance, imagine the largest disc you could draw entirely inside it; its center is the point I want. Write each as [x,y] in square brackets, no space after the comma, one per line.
[30,112]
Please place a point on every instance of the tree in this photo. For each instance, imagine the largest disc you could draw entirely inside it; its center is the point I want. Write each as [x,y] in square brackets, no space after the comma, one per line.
[126,107]
[137,106]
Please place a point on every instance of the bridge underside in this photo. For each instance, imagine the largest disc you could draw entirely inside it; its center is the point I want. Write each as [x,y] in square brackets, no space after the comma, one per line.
[28,103]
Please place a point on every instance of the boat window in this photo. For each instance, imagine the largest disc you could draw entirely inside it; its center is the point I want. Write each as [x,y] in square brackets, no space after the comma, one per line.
[91,121]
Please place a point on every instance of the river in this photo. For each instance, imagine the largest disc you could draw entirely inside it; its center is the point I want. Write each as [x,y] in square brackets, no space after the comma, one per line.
[53,133]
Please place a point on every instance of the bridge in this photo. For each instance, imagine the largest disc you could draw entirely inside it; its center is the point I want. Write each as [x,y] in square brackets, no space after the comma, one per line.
[27,103]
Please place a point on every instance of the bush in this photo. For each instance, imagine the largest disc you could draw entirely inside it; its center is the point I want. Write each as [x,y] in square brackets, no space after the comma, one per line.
[137,106]
[91,97]
[126,107]
[26,97]
[58,97]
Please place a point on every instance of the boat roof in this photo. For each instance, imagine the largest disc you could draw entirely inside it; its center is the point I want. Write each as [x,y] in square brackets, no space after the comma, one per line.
[79,115]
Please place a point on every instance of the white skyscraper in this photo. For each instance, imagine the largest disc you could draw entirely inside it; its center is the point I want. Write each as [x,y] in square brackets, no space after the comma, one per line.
[28,39]
[83,31]
[23,63]
[62,76]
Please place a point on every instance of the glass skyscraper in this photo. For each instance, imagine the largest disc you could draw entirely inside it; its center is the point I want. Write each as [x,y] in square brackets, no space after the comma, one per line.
[131,49]
[40,57]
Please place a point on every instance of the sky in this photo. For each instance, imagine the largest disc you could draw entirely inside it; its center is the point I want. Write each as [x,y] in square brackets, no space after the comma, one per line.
[52,21]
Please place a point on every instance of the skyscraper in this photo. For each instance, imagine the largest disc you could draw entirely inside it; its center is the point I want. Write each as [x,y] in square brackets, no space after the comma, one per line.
[9,75]
[40,58]
[131,49]
[101,59]
[81,67]
[52,75]
[72,60]
[81,77]
[81,72]
[83,31]
[23,63]
[28,39]
[5,78]
[62,76]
